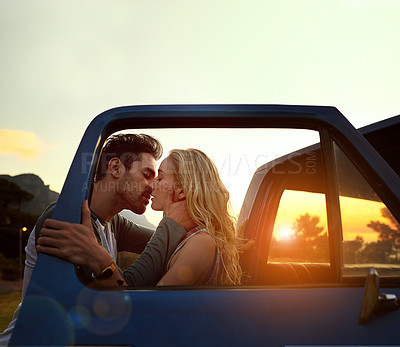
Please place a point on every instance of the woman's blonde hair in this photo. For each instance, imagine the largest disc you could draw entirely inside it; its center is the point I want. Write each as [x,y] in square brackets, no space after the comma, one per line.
[208,205]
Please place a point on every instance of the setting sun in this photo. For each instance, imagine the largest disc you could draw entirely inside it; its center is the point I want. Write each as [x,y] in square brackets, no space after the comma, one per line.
[283,233]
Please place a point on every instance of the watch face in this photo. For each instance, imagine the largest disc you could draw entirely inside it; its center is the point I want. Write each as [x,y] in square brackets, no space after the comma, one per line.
[107,273]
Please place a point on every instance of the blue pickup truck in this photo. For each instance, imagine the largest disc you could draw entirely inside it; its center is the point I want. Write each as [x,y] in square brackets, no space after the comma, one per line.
[331,278]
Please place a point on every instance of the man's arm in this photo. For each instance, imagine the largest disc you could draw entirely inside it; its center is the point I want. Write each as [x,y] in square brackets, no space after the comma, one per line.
[48,212]
[75,243]
[30,262]
[31,254]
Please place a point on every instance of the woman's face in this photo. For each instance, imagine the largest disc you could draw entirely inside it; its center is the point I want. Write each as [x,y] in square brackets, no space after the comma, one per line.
[161,183]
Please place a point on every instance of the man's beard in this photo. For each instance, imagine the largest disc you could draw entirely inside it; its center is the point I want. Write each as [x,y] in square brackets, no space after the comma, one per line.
[133,203]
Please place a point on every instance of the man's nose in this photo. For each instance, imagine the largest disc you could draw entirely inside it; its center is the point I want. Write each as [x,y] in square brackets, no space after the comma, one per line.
[151,185]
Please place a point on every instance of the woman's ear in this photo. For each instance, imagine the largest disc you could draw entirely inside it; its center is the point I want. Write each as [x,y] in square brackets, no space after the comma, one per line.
[180,193]
[115,167]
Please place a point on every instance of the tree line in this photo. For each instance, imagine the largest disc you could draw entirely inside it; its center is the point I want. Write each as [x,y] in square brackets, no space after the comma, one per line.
[12,220]
[309,243]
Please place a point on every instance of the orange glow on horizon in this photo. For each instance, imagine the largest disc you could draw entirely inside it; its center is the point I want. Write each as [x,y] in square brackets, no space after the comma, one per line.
[356,214]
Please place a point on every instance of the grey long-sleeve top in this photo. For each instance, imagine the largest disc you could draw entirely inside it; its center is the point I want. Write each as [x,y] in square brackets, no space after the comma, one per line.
[155,247]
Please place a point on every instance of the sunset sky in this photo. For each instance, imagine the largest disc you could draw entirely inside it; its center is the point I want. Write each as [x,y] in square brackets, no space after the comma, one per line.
[64,62]
[356,215]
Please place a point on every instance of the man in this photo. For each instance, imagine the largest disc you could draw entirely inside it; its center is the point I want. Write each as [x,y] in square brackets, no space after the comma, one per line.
[125,172]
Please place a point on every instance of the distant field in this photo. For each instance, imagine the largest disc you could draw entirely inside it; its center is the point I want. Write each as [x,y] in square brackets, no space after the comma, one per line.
[8,304]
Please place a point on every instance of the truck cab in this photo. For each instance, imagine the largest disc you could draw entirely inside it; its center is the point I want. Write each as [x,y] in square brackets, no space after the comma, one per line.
[321,248]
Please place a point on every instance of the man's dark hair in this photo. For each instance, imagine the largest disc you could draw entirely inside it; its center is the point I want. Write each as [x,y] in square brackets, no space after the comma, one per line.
[127,147]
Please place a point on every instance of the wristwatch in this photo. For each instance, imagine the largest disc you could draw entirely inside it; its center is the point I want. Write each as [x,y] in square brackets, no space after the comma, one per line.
[107,272]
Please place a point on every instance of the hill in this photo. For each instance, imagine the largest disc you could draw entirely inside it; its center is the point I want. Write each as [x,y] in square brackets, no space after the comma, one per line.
[42,194]
[138,219]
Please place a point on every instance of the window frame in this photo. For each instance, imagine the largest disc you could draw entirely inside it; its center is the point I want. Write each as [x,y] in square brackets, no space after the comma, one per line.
[266,204]
[362,169]
[78,183]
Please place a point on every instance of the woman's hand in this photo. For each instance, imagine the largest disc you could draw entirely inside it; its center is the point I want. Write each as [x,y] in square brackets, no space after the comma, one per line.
[75,243]
[177,210]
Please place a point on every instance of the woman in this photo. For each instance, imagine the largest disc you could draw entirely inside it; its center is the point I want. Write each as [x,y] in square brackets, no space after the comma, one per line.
[208,254]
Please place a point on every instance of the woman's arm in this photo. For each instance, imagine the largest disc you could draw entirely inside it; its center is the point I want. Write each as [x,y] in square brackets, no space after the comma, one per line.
[192,264]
